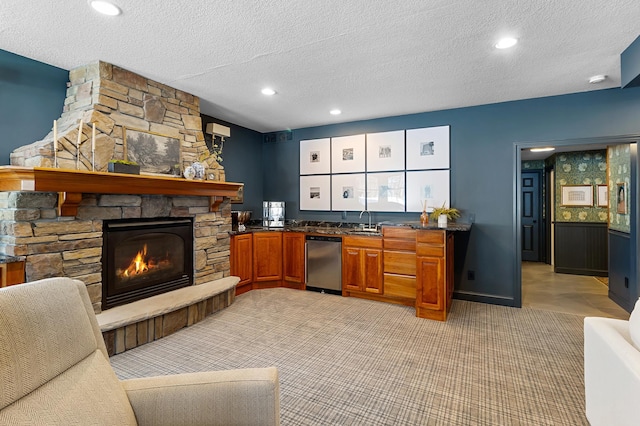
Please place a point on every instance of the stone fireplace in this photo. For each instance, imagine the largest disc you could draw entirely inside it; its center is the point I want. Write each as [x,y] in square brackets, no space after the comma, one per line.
[54,242]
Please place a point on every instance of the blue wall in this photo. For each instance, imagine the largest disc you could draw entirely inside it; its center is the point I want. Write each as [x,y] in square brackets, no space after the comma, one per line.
[31,97]
[483,142]
[242,161]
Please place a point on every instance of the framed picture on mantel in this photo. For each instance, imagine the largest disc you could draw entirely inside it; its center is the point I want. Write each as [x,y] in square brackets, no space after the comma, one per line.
[155,153]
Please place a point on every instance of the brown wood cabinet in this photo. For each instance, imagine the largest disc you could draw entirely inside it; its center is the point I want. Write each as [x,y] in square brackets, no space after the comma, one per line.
[293,257]
[434,274]
[267,256]
[362,265]
[400,264]
[242,261]
[11,273]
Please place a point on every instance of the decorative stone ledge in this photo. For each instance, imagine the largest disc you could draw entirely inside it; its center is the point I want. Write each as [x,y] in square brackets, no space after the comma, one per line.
[128,326]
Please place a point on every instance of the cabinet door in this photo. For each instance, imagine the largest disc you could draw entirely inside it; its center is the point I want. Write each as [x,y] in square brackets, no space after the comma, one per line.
[267,256]
[352,269]
[293,256]
[430,285]
[242,257]
[372,259]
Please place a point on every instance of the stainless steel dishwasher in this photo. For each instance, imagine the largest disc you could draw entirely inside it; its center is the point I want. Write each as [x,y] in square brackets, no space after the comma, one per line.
[324,264]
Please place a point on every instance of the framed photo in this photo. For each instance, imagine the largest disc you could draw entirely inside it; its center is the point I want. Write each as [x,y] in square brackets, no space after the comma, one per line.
[428,188]
[315,156]
[238,199]
[603,196]
[621,197]
[577,196]
[386,192]
[315,192]
[155,153]
[348,192]
[385,151]
[428,148]
[347,154]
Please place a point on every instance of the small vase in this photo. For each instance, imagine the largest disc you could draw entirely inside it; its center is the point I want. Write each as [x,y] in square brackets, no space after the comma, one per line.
[424,218]
[442,221]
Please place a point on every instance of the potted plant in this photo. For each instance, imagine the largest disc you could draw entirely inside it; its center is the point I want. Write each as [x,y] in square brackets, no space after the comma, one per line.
[123,166]
[444,214]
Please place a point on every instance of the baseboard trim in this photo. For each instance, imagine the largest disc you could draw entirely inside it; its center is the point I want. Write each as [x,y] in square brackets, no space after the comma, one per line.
[484,298]
[577,271]
[621,301]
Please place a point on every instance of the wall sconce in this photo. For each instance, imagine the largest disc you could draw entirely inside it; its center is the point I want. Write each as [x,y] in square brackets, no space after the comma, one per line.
[215,129]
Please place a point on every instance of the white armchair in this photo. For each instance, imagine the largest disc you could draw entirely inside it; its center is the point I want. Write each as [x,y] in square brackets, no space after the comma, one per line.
[611,372]
[54,370]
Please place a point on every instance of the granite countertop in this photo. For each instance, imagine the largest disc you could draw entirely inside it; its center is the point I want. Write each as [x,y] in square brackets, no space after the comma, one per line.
[344,228]
[10,259]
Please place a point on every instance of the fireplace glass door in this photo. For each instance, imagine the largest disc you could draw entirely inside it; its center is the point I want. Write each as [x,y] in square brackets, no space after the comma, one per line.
[142,259]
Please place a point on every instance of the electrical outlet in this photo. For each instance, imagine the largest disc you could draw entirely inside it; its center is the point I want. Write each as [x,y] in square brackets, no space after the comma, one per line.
[471,275]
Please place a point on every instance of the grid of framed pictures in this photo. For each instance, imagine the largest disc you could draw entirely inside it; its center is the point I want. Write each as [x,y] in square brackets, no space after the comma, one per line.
[397,171]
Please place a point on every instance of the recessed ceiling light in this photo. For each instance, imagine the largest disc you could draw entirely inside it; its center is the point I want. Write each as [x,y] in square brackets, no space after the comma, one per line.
[597,79]
[335,112]
[505,43]
[545,149]
[105,7]
[268,91]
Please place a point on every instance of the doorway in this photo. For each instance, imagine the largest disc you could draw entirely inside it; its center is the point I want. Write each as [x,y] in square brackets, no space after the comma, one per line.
[537,285]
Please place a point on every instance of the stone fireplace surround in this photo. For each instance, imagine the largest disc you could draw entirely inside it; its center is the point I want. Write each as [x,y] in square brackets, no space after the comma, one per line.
[54,243]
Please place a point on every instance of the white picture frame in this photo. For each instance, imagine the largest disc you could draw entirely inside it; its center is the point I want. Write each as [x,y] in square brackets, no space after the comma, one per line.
[315,156]
[428,187]
[348,154]
[315,192]
[428,148]
[386,192]
[385,151]
[348,192]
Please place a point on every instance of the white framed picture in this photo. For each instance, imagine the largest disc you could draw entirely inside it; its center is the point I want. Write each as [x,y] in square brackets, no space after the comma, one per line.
[386,192]
[315,156]
[347,154]
[348,192]
[428,148]
[430,188]
[385,151]
[315,192]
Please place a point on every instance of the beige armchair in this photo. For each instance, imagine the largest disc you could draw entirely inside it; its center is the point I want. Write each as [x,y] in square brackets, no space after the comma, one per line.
[54,370]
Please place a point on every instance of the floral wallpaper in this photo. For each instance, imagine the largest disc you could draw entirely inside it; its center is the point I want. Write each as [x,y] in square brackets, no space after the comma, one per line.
[580,168]
[619,172]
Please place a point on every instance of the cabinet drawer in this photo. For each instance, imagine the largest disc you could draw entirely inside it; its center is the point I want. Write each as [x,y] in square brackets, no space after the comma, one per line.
[399,232]
[397,262]
[429,250]
[402,245]
[366,242]
[399,286]
[431,237]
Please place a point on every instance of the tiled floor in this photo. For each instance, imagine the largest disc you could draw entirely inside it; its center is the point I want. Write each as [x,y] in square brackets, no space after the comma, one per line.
[575,294]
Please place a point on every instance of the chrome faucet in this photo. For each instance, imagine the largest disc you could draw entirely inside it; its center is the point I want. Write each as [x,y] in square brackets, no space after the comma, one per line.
[369,213]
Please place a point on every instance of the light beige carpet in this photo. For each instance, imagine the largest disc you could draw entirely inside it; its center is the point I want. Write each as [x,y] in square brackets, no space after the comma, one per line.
[346,361]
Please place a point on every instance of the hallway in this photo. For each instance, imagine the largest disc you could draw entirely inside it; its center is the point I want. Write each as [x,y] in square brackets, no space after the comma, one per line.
[574,294]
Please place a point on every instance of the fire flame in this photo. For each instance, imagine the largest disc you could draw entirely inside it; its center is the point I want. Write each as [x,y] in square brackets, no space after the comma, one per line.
[138,265]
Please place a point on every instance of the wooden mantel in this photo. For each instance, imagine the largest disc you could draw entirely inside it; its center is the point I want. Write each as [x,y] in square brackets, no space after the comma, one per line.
[71,184]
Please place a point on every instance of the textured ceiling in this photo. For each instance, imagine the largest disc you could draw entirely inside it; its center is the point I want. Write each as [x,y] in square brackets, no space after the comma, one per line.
[369,58]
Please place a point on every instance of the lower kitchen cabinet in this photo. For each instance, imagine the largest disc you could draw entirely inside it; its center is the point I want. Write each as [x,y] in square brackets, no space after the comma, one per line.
[242,261]
[267,256]
[434,274]
[361,265]
[293,257]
